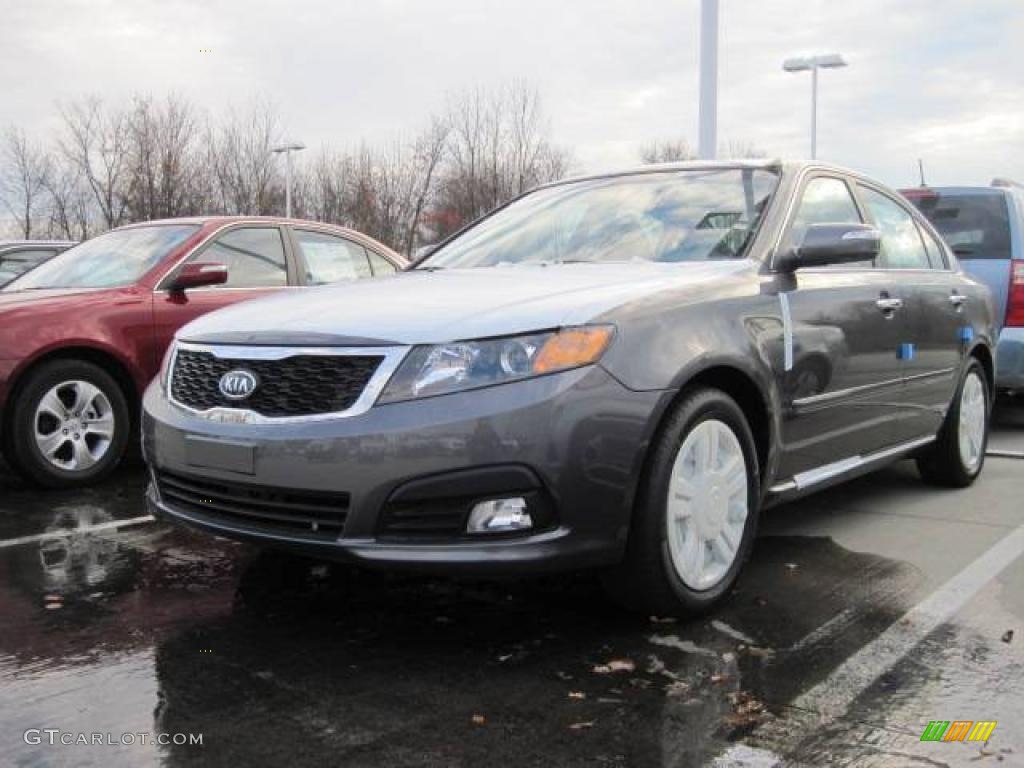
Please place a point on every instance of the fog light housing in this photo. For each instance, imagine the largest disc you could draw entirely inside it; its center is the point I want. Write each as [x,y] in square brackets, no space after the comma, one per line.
[500,516]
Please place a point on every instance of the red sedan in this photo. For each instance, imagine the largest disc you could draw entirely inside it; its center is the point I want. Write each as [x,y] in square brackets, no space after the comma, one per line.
[82,335]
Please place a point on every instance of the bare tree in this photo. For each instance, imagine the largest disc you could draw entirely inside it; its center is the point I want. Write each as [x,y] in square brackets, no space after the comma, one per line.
[164,168]
[429,152]
[69,203]
[96,141]
[239,152]
[666,151]
[742,149]
[498,149]
[24,181]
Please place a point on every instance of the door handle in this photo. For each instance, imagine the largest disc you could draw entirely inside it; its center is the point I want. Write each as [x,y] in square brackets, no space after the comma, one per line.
[957,300]
[889,305]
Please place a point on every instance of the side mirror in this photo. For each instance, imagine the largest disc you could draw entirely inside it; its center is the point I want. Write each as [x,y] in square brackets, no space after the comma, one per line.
[825,244]
[199,273]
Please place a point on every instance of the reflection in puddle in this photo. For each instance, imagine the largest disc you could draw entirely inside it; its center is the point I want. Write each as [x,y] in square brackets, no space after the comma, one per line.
[279,660]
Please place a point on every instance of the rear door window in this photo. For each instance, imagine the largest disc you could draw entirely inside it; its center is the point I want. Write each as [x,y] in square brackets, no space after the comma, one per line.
[902,246]
[976,226]
[329,258]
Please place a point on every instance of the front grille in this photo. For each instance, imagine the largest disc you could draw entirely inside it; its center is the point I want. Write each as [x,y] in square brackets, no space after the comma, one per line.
[302,385]
[312,513]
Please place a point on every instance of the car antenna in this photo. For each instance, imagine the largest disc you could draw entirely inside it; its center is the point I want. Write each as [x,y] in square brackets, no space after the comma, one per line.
[920,170]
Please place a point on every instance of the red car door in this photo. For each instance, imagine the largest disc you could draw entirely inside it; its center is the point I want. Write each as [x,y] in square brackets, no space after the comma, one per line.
[258,263]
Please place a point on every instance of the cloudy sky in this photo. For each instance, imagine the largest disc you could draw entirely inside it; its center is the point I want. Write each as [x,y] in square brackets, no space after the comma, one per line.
[938,79]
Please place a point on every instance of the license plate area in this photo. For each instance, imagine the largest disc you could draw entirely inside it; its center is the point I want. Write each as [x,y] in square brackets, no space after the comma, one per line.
[226,455]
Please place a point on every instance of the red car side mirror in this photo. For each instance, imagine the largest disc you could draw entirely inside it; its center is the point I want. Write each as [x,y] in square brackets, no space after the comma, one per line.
[199,273]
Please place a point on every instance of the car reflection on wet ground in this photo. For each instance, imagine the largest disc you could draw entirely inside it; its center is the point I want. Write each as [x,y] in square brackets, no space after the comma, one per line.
[112,624]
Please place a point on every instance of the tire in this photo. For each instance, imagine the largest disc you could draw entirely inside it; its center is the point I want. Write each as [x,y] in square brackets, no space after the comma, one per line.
[956,458]
[654,577]
[81,451]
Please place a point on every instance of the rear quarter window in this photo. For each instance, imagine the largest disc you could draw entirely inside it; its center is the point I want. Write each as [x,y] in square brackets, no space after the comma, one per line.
[974,226]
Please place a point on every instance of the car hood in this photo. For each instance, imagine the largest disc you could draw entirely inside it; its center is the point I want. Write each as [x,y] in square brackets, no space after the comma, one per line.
[422,307]
[11,299]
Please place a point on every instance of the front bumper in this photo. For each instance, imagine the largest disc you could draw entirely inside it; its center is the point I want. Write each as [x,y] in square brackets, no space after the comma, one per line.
[573,441]
[1010,359]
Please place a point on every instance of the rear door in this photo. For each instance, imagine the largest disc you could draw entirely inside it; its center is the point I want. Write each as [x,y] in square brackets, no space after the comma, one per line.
[258,261]
[842,379]
[934,312]
[976,223]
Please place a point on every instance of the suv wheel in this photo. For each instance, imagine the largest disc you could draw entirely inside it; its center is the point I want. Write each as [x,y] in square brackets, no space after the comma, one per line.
[957,456]
[70,424]
[697,513]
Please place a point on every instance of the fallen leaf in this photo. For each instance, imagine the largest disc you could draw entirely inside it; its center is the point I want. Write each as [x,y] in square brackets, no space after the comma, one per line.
[677,688]
[577,695]
[621,665]
[718,678]
[1008,636]
[581,726]
[479,720]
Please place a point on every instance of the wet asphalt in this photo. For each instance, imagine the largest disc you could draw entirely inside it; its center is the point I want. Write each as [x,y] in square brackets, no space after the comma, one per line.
[820,657]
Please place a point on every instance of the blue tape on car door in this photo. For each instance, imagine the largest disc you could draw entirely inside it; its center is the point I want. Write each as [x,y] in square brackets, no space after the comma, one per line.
[966,333]
[906,351]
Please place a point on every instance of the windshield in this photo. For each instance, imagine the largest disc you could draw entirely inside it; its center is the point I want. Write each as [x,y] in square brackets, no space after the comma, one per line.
[976,226]
[116,258]
[673,216]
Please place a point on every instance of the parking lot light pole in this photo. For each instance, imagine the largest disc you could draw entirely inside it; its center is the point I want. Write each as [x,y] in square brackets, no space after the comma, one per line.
[287,149]
[707,136]
[814,63]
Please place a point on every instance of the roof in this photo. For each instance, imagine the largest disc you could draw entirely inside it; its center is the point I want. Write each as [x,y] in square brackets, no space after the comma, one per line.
[214,222]
[772,164]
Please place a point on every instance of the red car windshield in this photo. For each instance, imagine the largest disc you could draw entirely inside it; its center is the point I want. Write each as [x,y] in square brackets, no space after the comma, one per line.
[113,259]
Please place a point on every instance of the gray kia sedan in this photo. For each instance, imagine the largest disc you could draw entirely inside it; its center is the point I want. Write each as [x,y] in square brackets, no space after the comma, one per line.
[619,371]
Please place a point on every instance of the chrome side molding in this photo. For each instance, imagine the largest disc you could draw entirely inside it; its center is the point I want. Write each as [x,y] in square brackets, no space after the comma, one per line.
[811,477]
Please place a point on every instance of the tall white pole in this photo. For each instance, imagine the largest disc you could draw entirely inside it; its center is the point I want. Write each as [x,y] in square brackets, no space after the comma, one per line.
[288,183]
[708,128]
[814,112]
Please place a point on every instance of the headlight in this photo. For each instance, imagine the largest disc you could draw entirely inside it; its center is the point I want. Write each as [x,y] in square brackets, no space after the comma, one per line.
[165,366]
[461,365]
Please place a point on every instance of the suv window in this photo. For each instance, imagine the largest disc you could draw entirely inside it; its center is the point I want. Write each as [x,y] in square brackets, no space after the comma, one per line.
[976,226]
[329,258]
[381,266]
[825,200]
[254,257]
[902,246]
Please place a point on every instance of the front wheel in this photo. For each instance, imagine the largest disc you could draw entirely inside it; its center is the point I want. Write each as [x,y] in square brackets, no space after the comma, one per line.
[958,454]
[697,513]
[70,425]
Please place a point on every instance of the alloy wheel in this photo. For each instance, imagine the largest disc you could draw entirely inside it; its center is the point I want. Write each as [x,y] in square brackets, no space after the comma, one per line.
[74,425]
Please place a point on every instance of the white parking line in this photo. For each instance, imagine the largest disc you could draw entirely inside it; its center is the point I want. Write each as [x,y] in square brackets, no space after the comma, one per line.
[999,453]
[832,697]
[112,525]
